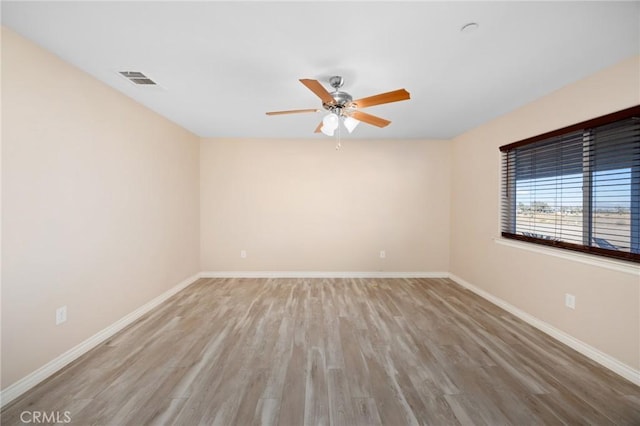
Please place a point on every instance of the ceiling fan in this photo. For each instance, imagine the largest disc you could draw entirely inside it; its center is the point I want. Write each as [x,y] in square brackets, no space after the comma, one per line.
[342,107]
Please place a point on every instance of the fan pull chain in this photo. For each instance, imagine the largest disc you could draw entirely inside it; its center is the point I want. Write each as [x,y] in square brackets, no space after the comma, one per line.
[338,145]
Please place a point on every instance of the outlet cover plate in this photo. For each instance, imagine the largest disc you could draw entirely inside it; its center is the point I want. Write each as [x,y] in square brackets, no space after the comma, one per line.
[61,315]
[570,301]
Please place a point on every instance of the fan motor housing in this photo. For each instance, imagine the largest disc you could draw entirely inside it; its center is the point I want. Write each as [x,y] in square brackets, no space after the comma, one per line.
[340,100]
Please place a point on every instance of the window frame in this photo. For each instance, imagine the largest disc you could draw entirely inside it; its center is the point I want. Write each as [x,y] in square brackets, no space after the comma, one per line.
[508,188]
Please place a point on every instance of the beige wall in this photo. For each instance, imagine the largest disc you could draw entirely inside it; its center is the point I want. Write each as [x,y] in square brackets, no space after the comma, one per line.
[300,205]
[100,206]
[607,314]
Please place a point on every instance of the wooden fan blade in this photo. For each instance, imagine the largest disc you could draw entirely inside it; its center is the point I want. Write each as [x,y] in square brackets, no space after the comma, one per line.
[370,119]
[318,89]
[318,128]
[292,111]
[383,98]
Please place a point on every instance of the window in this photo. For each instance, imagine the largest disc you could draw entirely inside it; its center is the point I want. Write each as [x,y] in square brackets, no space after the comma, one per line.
[577,188]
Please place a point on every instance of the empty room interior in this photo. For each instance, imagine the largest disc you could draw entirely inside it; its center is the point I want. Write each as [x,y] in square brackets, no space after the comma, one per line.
[320,213]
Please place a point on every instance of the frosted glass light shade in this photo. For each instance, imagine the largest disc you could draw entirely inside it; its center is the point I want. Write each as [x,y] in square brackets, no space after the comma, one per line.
[350,123]
[327,131]
[330,122]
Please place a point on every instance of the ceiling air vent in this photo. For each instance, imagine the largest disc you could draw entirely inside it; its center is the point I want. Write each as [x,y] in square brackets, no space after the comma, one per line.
[137,77]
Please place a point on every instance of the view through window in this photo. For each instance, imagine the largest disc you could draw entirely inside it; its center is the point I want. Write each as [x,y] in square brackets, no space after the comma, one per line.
[577,188]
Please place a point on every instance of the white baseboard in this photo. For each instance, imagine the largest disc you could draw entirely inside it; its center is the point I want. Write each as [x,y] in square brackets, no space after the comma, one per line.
[321,274]
[21,386]
[596,355]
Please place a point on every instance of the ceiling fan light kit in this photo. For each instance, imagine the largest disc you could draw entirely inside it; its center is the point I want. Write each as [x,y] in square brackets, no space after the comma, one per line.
[342,107]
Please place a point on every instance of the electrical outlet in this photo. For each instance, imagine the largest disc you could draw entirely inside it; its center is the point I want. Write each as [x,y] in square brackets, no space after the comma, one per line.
[243,254]
[383,254]
[570,301]
[61,315]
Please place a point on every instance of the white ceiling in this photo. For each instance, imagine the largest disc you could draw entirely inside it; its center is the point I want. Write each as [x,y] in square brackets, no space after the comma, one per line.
[222,65]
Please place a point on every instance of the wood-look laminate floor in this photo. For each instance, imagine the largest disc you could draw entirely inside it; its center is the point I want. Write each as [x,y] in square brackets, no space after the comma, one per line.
[332,352]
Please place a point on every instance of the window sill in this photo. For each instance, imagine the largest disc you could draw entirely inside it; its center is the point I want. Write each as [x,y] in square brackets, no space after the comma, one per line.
[616,265]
